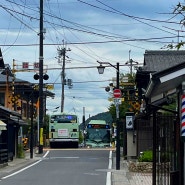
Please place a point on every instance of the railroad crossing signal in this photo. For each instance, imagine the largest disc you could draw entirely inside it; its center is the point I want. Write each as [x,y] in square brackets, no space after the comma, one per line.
[47,86]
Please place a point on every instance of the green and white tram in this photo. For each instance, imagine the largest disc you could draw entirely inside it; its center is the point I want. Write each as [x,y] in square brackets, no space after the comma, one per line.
[63,130]
[97,134]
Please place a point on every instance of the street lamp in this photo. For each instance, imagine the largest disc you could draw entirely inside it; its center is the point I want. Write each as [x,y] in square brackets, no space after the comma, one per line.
[101,71]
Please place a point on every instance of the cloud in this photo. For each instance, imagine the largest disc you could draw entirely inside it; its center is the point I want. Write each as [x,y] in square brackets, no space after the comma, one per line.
[103,33]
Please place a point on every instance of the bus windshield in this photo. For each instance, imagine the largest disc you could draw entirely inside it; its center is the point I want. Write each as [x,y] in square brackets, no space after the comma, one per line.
[64,118]
[98,134]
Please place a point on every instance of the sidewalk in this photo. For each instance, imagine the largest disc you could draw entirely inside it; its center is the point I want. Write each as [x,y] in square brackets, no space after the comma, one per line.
[19,163]
[124,177]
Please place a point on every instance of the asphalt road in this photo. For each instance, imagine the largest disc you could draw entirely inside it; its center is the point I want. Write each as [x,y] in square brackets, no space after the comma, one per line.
[65,167]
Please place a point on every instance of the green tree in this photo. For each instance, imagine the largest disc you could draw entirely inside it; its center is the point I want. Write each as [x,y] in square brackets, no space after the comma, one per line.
[123,108]
[81,138]
[179,10]
[171,104]
[125,105]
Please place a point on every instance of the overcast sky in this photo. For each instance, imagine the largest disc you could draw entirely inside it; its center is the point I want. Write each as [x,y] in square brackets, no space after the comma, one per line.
[94,30]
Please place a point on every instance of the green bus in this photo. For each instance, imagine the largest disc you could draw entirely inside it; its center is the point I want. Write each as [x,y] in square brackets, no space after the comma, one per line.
[97,134]
[63,130]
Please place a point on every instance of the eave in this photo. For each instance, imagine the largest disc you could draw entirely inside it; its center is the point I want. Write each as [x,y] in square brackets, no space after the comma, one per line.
[165,82]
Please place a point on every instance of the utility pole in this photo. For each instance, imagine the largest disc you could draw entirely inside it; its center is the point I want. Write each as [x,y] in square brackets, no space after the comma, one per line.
[117,124]
[31,133]
[41,58]
[62,56]
[13,85]
[63,78]
[83,122]
[131,63]
[62,59]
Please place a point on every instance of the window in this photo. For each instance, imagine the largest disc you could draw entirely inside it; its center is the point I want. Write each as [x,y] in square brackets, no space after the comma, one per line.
[64,118]
[2,98]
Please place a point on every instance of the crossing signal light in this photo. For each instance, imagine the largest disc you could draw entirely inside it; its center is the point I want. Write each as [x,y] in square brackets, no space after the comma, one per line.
[36,76]
[45,76]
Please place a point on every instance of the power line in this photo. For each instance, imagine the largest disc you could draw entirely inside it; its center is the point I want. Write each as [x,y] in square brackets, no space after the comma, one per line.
[114,38]
[22,22]
[130,16]
[100,42]
[79,25]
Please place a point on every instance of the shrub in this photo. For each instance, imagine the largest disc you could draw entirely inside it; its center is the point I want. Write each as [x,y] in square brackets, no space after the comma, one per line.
[20,151]
[146,156]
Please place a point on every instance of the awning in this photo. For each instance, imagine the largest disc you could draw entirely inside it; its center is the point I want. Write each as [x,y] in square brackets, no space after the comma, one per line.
[165,82]
[18,121]
[2,125]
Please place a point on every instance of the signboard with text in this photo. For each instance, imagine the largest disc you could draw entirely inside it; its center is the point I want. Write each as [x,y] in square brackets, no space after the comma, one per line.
[129,120]
[63,132]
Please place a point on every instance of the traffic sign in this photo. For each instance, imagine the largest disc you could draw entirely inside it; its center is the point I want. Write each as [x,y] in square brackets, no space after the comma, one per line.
[117,93]
[117,101]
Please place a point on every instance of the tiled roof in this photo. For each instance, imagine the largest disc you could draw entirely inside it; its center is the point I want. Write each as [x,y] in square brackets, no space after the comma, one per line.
[155,61]
[3,79]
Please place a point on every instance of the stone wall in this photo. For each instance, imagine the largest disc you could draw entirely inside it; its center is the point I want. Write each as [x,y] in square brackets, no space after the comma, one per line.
[145,167]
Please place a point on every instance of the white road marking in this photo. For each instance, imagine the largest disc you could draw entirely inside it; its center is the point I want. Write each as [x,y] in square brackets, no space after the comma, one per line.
[91,174]
[62,158]
[21,170]
[25,167]
[108,179]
